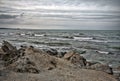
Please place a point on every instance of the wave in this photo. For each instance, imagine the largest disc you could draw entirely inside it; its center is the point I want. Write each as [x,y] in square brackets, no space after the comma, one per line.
[83,38]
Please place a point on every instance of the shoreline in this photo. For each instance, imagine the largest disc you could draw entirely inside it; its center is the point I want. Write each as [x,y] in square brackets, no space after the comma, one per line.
[28,59]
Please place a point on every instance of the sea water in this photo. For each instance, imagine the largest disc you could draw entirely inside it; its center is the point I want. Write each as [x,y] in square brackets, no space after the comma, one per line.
[100,45]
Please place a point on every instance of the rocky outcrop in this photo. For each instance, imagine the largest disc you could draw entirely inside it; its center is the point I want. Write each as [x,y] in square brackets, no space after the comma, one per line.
[75,59]
[9,53]
[24,64]
[16,60]
[54,52]
[7,47]
[32,64]
[80,61]
[51,51]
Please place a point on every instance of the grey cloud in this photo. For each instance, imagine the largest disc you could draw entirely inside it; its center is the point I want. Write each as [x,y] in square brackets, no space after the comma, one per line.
[3,16]
[107,12]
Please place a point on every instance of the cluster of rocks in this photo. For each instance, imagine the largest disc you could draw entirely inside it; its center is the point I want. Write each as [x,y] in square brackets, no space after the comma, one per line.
[32,60]
[54,52]
[16,59]
[81,62]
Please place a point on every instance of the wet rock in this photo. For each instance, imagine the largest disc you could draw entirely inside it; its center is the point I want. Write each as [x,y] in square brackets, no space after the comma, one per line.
[51,51]
[80,51]
[102,67]
[69,37]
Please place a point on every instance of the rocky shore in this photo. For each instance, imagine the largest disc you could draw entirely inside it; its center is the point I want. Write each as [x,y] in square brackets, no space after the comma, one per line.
[31,64]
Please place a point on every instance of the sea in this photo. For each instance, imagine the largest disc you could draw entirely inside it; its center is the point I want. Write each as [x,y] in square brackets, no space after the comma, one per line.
[97,45]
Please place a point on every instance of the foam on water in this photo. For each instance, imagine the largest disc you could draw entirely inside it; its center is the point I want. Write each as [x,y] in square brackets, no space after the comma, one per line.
[83,38]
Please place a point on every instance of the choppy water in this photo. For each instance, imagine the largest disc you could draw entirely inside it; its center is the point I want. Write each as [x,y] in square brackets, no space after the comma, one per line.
[100,46]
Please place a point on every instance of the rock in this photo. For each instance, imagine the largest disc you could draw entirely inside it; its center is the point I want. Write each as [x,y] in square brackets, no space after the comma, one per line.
[91,63]
[78,60]
[32,50]
[1,51]
[29,50]
[51,51]
[22,50]
[101,67]
[75,59]
[24,65]
[10,53]
[6,47]
[35,61]
[61,54]
[80,51]
[68,55]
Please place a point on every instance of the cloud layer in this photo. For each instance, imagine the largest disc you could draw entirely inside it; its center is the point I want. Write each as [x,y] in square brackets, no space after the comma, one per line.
[57,14]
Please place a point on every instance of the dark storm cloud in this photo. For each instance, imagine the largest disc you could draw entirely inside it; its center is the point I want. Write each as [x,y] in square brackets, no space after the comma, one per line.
[3,16]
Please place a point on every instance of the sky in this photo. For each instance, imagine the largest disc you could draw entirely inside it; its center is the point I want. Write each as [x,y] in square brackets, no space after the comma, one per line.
[60,14]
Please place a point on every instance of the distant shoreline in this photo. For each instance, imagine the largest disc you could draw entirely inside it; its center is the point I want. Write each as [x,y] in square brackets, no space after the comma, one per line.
[57,29]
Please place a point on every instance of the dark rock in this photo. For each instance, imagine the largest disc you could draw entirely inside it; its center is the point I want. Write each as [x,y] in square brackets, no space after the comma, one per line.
[10,53]
[19,59]
[90,63]
[6,47]
[61,54]
[51,51]
[80,51]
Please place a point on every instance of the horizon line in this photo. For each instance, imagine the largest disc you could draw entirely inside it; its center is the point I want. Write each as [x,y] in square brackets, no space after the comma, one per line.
[55,29]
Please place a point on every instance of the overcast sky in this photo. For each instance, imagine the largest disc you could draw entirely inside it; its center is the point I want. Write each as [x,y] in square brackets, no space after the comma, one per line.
[60,14]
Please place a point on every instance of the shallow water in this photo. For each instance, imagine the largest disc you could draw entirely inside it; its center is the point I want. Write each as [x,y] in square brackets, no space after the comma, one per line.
[101,46]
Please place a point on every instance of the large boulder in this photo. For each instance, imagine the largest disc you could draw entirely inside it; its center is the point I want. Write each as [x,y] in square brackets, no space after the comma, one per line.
[75,59]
